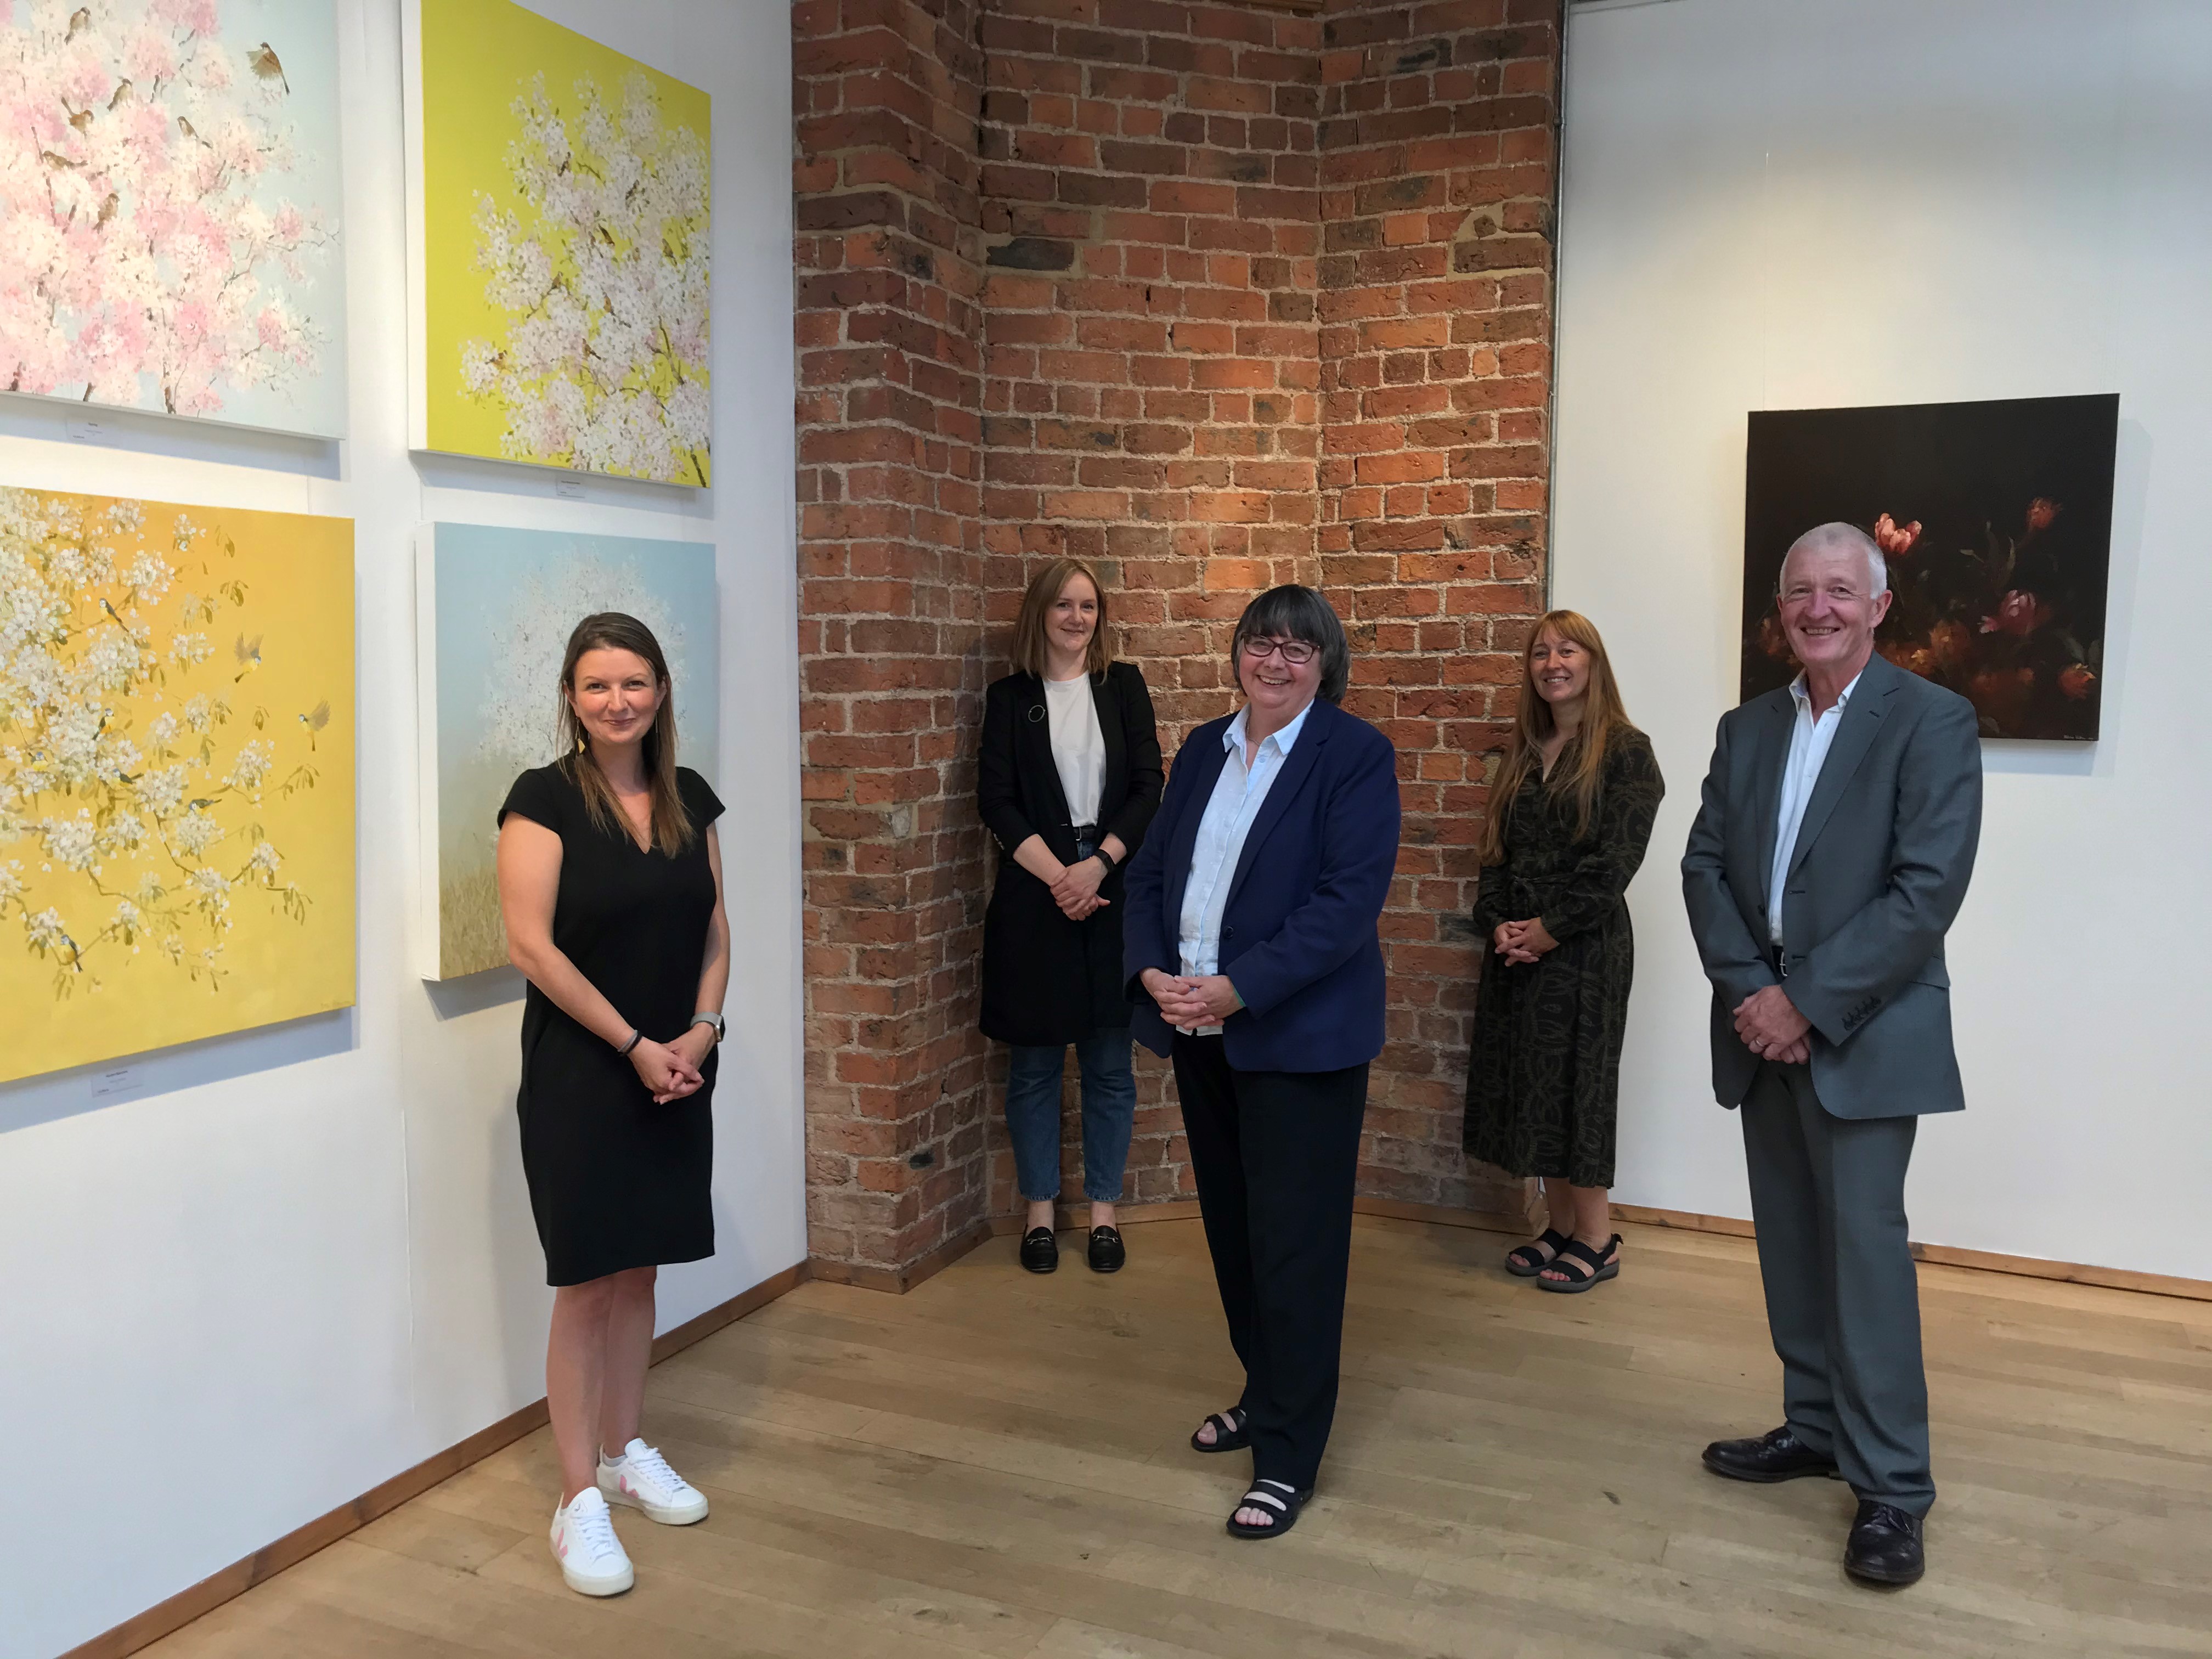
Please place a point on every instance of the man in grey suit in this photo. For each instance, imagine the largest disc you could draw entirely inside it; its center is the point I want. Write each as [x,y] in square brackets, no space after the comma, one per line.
[1831,852]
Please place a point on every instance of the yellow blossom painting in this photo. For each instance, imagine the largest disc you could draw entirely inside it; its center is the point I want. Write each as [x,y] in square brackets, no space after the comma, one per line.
[559,207]
[176,774]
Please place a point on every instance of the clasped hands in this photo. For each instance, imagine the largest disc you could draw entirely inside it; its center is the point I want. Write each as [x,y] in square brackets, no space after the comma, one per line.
[672,1070]
[1075,889]
[1200,999]
[1771,1027]
[1521,941]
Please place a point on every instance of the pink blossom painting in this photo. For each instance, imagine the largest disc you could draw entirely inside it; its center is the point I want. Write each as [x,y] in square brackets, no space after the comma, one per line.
[1995,519]
[170,208]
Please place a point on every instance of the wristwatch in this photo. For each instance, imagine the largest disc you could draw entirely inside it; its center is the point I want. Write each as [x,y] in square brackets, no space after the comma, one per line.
[702,1017]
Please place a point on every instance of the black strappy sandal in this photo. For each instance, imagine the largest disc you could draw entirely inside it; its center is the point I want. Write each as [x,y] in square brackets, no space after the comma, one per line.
[1526,1263]
[1281,1497]
[1590,1267]
[1228,1431]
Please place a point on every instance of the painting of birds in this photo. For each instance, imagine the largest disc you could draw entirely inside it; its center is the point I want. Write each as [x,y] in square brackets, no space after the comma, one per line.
[122,94]
[191,133]
[57,163]
[264,62]
[248,653]
[315,719]
[79,119]
[80,21]
[107,209]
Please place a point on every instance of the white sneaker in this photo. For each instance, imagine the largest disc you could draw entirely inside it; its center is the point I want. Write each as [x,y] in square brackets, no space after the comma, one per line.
[584,1543]
[640,1478]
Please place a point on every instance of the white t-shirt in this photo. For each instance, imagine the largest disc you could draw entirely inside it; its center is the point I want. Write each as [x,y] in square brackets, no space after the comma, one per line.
[1078,751]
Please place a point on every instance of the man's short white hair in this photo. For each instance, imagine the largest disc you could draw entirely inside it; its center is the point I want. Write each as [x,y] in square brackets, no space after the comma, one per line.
[1839,538]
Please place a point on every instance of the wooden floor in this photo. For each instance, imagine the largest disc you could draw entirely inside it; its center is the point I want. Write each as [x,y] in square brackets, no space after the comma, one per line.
[995,1464]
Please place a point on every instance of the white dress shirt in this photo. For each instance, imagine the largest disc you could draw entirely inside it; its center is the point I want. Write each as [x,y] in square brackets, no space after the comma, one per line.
[1246,776]
[1809,739]
[1078,749]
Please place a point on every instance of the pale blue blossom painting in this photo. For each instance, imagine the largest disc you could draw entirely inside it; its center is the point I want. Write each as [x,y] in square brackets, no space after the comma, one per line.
[495,608]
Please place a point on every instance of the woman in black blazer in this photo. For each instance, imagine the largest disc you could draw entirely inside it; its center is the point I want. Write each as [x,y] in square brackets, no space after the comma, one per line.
[1068,778]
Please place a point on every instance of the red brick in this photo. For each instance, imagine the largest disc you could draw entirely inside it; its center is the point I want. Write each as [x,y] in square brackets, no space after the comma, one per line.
[1167,404]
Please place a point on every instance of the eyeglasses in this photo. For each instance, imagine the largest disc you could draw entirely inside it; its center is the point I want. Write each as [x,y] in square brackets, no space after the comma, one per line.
[1297,652]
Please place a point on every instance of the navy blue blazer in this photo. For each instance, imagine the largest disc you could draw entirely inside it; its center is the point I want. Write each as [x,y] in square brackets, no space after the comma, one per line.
[1298,938]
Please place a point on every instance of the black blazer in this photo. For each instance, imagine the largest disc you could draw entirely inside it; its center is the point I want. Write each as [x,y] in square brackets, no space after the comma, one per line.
[1048,979]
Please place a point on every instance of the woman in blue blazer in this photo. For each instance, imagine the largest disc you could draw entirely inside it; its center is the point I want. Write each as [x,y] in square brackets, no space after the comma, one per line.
[1253,963]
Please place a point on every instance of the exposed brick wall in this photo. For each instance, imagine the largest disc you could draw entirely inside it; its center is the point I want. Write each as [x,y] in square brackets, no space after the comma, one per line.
[1216,295]
[1152,366]
[888,335]
[1438,169]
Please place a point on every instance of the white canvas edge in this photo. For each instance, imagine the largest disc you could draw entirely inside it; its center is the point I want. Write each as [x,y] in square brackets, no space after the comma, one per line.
[429,947]
[418,293]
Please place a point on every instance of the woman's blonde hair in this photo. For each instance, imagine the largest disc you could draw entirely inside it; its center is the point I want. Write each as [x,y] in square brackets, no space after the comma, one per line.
[1581,765]
[610,630]
[1030,655]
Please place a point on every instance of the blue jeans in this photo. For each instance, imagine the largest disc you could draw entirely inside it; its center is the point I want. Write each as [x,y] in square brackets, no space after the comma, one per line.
[1109,1110]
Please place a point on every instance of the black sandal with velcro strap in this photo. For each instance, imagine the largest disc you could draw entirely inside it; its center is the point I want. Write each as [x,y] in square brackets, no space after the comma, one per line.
[1228,1431]
[1526,1263]
[1277,1497]
[1590,1267]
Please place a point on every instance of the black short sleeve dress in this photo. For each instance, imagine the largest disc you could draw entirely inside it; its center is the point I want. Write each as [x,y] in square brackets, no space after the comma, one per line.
[617,1181]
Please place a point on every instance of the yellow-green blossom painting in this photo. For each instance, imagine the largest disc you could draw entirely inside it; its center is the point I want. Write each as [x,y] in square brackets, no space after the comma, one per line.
[559,205]
[176,774]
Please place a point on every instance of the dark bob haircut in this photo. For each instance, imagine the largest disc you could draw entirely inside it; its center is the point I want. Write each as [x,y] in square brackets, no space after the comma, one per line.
[1292,612]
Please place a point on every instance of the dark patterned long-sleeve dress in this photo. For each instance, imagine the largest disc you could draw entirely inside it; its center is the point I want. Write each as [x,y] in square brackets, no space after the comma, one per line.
[1543,1083]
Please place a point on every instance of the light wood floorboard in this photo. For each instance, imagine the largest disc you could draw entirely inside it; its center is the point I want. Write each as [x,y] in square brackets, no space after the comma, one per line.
[995,1465]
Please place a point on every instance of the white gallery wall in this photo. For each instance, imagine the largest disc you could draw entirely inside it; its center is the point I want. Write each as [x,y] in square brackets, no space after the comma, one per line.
[1783,204]
[289,1264]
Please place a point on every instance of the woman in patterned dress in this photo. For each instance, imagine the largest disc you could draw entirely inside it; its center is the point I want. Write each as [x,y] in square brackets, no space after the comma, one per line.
[1572,814]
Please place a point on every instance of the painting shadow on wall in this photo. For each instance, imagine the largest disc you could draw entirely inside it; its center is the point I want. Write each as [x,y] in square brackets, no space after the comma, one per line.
[56,1095]
[1995,519]
[472,994]
[135,433]
[484,475]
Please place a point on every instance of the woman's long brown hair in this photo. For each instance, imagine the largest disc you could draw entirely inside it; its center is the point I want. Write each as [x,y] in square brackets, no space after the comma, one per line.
[610,630]
[1581,765]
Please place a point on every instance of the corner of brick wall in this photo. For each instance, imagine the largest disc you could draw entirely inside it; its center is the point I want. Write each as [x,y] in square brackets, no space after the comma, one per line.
[1217,296]
[888,333]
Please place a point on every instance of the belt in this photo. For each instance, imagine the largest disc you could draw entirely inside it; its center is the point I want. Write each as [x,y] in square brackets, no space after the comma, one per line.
[1086,841]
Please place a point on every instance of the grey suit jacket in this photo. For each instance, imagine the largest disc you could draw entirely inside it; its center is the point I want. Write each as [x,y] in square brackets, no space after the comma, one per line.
[1880,869]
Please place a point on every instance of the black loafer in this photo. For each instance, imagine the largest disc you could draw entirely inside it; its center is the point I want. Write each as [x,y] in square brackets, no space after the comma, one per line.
[1040,1250]
[1886,1546]
[1107,1251]
[1780,1455]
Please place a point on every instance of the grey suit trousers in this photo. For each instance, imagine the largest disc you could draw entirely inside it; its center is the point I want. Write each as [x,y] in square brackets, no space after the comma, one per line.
[1842,1301]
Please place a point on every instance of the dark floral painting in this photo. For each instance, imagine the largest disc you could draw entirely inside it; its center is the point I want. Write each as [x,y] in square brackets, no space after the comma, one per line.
[1997,519]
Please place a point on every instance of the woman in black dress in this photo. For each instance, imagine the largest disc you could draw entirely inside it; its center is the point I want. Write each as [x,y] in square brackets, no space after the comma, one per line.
[610,884]
[1572,813]
[1067,779]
